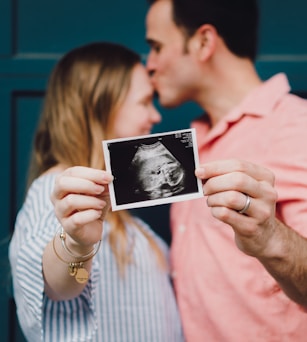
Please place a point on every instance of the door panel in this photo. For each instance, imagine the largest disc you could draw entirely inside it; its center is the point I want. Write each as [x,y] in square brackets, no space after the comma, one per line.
[21,99]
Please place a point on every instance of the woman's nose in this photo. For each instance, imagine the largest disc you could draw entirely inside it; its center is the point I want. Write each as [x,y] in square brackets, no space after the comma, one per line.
[155,115]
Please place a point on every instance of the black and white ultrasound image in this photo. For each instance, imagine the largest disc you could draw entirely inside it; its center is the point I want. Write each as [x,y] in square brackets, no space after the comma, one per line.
[153,168]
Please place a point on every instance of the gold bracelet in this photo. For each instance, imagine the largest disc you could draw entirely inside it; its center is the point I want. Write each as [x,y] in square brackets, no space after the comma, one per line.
[68,251]
[75,268]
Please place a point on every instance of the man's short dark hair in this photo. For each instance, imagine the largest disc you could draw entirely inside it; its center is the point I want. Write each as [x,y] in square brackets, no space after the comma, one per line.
[236,21]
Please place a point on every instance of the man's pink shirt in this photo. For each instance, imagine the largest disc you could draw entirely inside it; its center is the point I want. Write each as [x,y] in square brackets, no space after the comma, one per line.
[223,294]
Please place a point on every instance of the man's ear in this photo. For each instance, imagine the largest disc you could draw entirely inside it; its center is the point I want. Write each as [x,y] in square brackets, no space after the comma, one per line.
[206,39]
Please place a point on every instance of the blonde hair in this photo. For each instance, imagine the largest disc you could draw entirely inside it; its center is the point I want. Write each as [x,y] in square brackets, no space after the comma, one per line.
[84,92]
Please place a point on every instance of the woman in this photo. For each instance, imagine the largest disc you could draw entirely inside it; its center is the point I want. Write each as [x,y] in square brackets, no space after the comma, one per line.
[80,271]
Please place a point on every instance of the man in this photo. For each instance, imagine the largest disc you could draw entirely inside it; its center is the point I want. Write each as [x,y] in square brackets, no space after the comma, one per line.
[204,51]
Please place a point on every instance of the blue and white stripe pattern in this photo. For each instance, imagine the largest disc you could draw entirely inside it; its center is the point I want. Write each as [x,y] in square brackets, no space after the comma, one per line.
[139,307]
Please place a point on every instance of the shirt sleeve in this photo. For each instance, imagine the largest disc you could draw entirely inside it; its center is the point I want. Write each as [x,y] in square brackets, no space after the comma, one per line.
[65,320]
[288,159]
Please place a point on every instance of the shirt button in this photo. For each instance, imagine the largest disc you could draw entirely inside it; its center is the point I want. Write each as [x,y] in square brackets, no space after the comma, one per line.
[181,228]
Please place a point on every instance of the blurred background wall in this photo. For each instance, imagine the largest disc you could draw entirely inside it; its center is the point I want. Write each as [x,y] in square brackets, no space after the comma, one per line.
[33,36]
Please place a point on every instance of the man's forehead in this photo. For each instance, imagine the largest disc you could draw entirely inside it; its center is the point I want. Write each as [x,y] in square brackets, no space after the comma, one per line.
[160,26]
[159,12]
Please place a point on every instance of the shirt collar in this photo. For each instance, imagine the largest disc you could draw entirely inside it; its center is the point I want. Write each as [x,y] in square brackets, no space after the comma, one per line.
[259,102]
[262,99]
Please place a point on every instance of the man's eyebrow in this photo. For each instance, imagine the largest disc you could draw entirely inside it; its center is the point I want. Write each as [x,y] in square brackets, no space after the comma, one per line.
[150,41]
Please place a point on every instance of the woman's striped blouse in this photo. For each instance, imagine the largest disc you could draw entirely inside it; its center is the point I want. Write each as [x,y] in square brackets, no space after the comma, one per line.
[137,307]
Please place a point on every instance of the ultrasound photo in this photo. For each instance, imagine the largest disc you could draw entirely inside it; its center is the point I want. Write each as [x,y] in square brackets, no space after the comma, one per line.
[153,169]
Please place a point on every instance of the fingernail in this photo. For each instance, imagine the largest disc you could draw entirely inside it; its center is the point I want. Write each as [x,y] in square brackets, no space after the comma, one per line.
[108,177]
[199,171]
[99,189]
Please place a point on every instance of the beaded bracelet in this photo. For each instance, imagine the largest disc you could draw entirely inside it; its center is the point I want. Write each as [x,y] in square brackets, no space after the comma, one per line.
[76,268]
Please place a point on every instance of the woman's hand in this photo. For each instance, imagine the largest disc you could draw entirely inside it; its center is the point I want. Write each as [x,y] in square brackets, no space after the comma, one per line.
[81,202]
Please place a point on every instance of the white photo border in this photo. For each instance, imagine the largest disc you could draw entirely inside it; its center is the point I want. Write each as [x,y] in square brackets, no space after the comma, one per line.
[198,193]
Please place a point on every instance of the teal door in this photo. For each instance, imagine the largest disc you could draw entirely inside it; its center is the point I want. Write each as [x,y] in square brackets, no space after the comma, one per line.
[34,34]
